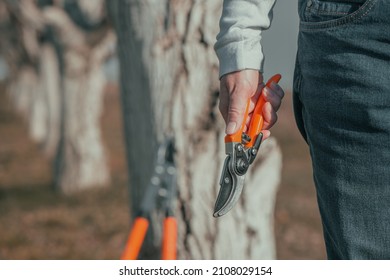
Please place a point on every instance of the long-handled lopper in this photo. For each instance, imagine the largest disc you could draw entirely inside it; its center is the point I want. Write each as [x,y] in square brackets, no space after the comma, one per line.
[159,193]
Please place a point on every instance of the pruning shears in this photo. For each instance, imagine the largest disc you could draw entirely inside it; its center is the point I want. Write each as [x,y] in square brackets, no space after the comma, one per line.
[159,193]
[241,149]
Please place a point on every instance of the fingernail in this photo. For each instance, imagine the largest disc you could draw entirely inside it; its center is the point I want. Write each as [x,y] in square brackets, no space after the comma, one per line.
[231,127]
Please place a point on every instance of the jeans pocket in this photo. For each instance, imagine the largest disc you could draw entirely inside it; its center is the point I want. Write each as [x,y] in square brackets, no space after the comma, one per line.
[297,102]
[317,14]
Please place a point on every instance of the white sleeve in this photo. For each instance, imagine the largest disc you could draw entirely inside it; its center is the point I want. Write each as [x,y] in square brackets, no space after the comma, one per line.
[238,42]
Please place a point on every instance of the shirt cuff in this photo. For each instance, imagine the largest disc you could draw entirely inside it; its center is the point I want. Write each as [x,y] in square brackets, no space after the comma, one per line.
[236,56]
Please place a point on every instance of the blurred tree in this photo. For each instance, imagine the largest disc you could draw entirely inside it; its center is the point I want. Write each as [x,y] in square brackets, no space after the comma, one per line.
[55,50]
[169,85]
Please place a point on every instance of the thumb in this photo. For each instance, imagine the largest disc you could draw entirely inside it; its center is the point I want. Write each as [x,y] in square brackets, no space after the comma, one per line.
[236,112]
[240,87]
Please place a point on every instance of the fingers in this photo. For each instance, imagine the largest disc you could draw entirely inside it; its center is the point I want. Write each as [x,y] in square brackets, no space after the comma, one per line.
[255,97]
[277,89]
[235,90]
[273,98]
[224,101]
[237,107]
[232,107]
[274,95]
[266,134]
[269,115]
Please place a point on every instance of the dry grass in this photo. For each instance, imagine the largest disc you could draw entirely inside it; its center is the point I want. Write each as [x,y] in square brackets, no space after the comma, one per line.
[37,223]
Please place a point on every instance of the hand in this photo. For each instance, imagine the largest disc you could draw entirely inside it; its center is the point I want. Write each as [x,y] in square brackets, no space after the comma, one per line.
[235,90]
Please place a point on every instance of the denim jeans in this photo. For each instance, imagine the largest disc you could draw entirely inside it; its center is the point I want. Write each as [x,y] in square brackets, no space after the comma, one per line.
[342,108]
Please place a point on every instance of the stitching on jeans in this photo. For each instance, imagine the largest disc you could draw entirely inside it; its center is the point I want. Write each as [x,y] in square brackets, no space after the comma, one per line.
[323,12]
[367,10]
[318,26]
[311,26]
[332,13]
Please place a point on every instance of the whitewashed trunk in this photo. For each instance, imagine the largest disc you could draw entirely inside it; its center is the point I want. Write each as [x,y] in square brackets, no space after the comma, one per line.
[51,91]
[22,88]
[81,159]
[169,81]
[57,82]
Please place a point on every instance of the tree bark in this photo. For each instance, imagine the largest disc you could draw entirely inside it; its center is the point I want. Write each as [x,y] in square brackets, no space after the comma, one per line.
[169,85]
[81,161]
[57,81]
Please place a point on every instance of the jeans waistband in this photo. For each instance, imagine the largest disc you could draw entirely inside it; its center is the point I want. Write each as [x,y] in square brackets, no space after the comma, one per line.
[345,1]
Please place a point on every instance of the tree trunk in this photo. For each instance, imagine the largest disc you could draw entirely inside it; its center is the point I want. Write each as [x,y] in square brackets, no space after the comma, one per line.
[57,81]
[169,84]
[51,93]
[81,161]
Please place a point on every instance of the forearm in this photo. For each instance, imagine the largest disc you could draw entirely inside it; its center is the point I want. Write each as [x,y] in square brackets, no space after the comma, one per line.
[238,44]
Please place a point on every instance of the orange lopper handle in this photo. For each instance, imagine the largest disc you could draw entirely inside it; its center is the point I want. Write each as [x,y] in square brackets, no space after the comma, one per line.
[257,120]
[169,239]
[136,238]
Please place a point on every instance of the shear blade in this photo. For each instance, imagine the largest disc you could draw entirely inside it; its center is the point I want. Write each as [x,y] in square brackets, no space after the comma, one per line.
[229,192]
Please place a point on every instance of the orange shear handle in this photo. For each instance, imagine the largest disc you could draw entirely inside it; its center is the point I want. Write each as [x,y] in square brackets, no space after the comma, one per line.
[257,121]
[169,239]
[136,238]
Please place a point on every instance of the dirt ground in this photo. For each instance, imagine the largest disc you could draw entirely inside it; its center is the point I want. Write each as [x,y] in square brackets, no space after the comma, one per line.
[37,223]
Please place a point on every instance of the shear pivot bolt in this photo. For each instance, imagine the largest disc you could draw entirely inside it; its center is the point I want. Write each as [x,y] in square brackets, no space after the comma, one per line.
[254,152]
[226,180]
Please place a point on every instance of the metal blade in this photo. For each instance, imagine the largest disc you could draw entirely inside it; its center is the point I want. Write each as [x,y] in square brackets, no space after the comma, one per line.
[230,190]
